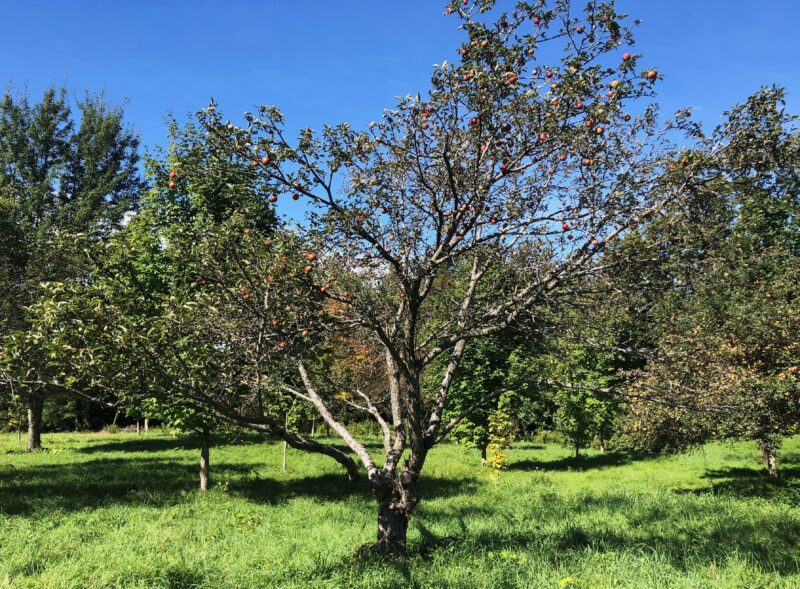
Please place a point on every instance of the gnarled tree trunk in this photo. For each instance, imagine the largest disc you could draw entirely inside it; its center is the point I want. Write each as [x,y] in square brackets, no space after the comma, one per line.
[205,474]
[396,501]
[35,406]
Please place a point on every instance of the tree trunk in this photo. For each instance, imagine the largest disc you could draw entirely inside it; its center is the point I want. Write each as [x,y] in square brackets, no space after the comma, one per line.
[483,456]
[138,431]
[602,443]
[285,443]
[770,458]
[146,424]
[35,405]
[577,451]
[396,501]
[392,528]
[205,475]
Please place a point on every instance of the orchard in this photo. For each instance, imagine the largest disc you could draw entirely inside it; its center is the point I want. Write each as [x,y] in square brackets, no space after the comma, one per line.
[525,262]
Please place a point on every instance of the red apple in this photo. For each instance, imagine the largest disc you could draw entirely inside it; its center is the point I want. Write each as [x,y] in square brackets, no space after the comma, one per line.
[171,184]
[473,121]
[172,175]
[600,130]
[310,256]
[652,75]
[265,160]
[273,198]
[308,268]
[506,128]
[562,157]
[492,221]
[536,20]
[580,29]
[548,75]
[504,168]
[542,136]
[627,117]
[295,196]
[565,226]
[579,105]
[626,56]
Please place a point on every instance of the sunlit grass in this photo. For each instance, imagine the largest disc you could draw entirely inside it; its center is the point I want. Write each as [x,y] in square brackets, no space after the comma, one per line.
[122,511]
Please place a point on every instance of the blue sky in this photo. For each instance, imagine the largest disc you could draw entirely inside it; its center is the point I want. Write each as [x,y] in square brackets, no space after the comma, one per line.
[325,61]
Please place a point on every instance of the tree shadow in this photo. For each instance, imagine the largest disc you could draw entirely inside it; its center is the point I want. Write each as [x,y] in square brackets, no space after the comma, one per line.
[144,480]
[594,461]
[753,482]
[145,443]
[767,540]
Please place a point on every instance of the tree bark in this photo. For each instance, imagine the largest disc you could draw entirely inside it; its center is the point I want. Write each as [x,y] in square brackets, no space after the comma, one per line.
[769,456]
[146,424]
[483,456]
[396,501]
[602,443]
[577,451]
[35,406]
[205,474]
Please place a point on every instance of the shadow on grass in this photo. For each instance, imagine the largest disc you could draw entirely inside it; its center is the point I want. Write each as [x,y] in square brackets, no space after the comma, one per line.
[583,463]
[136,480]
[145,443]
[753,482]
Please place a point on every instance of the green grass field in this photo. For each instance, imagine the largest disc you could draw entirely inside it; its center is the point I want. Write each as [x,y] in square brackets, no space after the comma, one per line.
[122,511]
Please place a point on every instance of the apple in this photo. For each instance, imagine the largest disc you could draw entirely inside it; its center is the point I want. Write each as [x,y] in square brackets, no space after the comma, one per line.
[298,185]
[627,117]
[273,198]
[626,56]
[506,128]
[542,136]
[308,268]
[172,175]
[555,102]
[580,29]
[295,196]
[310,256]
[565,226]
[484,43]
[548,75]
[265,160]
[610,94]
[614,83]
[171,184]
[536,20]
[281,345]
[254,163]
[511,78]
[473,121]
[600,130]
[587,161]
[504,168]
[492,221]
[562,157]
[579,105]
[652,75]
[304,333]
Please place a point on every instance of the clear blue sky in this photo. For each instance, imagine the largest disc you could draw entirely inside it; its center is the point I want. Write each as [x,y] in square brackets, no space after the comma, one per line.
[331,61]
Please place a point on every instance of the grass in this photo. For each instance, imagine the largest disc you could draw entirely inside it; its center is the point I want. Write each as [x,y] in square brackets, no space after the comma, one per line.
[122,511]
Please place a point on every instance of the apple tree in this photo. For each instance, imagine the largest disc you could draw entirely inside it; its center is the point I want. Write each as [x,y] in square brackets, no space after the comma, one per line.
[520,164]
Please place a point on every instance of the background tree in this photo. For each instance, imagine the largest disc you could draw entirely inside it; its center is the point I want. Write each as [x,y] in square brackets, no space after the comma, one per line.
[57,175]
[727,354]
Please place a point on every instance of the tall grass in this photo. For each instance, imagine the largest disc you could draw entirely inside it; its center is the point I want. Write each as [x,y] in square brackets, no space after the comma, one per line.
[122,511]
